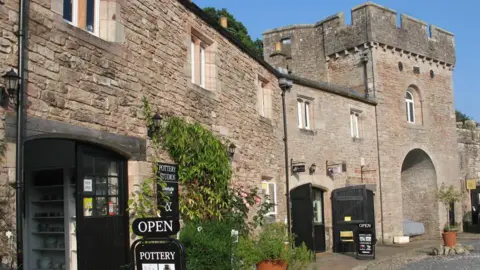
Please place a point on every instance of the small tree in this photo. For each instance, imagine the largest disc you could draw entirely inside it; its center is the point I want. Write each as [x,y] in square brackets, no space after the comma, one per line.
[448,195]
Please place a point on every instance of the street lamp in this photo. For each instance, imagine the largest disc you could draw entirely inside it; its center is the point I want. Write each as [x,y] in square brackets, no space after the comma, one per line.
[11,79]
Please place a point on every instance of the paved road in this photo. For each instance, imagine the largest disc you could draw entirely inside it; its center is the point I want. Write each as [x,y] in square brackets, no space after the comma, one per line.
[464,262]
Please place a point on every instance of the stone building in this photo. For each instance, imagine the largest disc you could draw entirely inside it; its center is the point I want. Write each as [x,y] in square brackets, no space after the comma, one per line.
[407,69]
[85,79]
[88,66]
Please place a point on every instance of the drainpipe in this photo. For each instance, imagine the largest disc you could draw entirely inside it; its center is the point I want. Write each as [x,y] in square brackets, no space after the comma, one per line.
[19,145]
[286,85]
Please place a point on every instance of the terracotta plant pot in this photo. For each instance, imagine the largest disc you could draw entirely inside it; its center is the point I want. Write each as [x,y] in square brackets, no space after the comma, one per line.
[449,239]
[272,265]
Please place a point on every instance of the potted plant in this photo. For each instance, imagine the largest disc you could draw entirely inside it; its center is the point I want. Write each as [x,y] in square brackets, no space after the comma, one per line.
[448,196]
[270,250]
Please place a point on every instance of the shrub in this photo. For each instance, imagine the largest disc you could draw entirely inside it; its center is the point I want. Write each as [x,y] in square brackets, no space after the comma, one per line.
[208,244]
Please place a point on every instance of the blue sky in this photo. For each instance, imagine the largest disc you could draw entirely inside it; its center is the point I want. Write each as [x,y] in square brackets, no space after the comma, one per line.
[458,17]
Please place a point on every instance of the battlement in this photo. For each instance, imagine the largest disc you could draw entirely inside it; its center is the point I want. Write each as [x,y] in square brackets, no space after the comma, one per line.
[375,23]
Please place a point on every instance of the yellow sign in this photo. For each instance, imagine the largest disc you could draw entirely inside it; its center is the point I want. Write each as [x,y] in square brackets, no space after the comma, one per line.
[347,218]
[471,184]
[87,207]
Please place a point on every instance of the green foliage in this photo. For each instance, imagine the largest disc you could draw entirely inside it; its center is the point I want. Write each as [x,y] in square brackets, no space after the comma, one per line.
[237,29]
[208,244]
[448,195]
[461,117]
[271,244]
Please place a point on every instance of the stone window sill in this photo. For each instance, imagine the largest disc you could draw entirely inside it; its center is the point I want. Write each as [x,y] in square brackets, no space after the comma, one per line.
[265,120]
[88,37]
[203,91]
[415,126]
[307,131]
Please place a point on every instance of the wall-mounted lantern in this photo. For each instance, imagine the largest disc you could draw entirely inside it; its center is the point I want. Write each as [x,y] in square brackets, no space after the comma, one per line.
[312,168]
[231,150]
[10,91]
[155,126]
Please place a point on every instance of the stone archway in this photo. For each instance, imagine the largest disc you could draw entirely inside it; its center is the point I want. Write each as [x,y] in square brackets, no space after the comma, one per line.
[419,189]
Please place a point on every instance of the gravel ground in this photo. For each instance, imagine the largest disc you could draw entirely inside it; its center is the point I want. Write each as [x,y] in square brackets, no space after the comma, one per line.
[420,260]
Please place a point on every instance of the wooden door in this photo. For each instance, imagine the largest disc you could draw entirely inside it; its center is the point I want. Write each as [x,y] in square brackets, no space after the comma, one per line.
[102,219]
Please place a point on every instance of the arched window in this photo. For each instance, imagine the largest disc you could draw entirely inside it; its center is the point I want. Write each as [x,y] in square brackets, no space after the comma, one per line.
[410,107]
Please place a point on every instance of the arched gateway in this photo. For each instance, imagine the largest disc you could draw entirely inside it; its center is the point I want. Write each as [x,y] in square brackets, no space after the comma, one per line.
[419,189]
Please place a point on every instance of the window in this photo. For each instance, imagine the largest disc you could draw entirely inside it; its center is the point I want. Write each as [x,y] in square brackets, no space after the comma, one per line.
[264,98]
[286,41]
[304,114]
[318,207]
[270,195]
[84,14]
[202,69]
[410,107]
[354,124]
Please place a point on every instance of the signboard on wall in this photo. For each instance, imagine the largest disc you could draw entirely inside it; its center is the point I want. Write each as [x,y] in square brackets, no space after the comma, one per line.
[471,184]
[168,208]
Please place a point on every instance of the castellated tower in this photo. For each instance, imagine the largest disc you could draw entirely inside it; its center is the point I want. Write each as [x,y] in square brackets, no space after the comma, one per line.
[407,70]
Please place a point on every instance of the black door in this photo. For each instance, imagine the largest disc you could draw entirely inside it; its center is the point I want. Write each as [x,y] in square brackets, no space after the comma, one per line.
[350,206]
[102,220]
[302,215]
[318,220]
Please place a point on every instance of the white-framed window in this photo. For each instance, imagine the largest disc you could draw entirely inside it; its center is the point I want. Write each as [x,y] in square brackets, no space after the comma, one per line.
[410,107]
[202,63]
[84,14]
[192,59]
[269,191]
[264,98]
[304,113]
[202,66]
[354,124]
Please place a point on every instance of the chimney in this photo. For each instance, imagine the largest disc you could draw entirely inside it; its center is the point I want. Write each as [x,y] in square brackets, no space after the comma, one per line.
[224,22]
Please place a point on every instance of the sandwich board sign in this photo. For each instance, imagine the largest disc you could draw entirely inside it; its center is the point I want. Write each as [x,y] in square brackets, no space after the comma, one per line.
[158,256]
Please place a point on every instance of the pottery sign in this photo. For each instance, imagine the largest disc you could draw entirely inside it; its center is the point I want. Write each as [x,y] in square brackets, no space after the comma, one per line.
[158,256]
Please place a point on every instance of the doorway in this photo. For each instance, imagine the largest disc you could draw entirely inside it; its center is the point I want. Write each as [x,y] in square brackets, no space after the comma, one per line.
[75,206]
[308,223]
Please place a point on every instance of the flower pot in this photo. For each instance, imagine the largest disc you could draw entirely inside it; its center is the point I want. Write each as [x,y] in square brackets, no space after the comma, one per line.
[449,239]
[272,265]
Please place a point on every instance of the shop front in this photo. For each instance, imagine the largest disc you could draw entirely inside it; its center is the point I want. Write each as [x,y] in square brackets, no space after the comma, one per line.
[75,200]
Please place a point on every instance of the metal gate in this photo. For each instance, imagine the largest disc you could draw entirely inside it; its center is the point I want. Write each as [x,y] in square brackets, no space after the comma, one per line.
[350,206]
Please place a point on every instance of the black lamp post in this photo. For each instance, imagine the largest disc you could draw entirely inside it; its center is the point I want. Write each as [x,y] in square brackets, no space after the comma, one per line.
[156,124]
[10,90]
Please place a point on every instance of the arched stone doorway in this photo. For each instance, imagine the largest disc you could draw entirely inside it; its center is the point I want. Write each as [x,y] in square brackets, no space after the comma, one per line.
[419,189]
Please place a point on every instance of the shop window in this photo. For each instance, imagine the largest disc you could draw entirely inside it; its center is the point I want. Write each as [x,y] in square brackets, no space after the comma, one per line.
[84,14]
[269,192]
[101,187]
[264,98]
[304,114]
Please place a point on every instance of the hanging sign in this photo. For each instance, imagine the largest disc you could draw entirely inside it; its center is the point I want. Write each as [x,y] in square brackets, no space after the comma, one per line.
[471,184]
[158,256]
[155,227]
[168,206]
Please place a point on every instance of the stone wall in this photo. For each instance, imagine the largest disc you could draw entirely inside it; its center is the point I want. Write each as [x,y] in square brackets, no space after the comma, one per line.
[329,141]
[77,78]
[469,151]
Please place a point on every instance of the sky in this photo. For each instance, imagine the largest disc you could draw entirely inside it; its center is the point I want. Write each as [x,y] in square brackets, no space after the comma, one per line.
[458,17]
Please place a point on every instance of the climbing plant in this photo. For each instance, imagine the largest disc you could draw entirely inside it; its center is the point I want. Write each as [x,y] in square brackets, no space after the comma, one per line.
[204,171]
